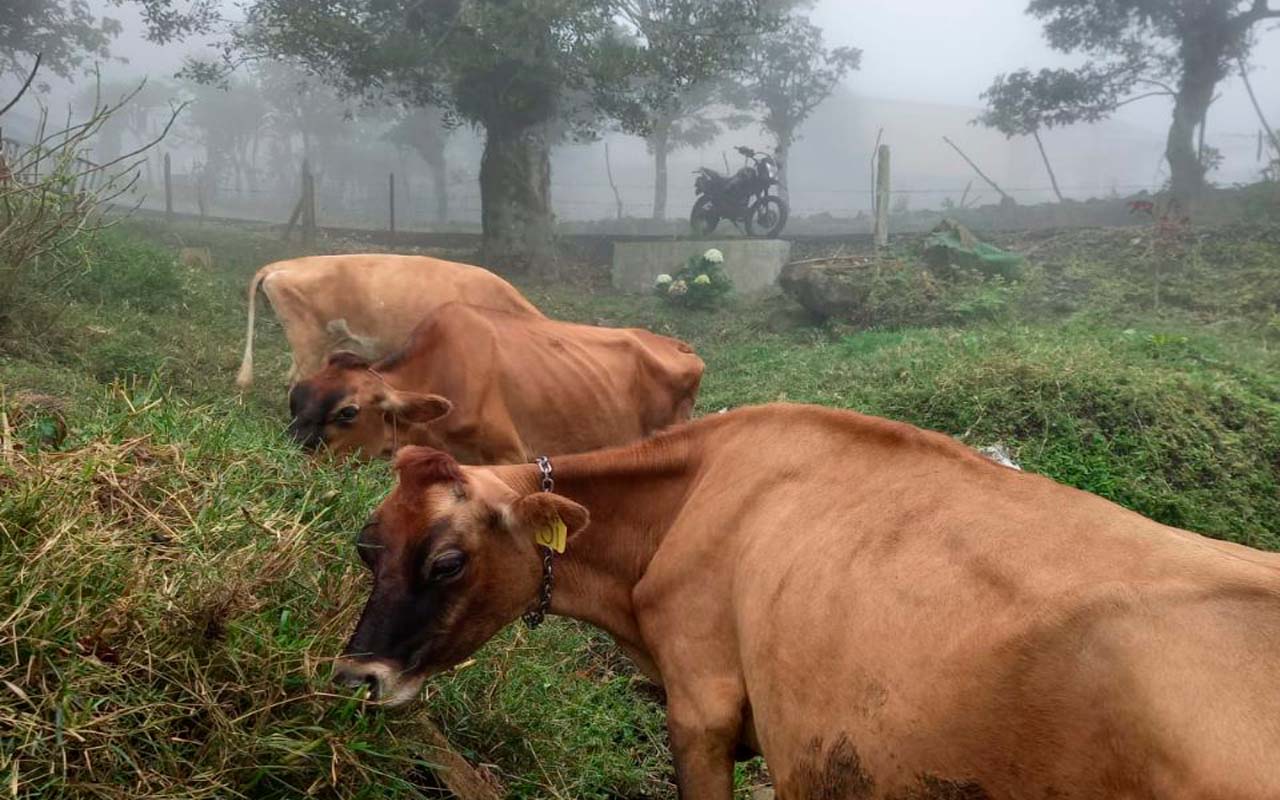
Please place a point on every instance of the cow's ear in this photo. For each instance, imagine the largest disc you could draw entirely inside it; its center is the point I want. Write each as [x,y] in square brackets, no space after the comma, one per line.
[418,409]
[538,516]
[345,359]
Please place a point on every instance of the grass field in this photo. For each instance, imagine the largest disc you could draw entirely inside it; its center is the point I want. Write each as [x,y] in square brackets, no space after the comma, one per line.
[174,575]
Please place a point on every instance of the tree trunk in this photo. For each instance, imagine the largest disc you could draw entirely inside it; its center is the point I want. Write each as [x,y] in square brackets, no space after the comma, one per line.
[440,185]
[783,154]
[1191,105]
[431,150]
[1053,179]
[515,200]
[608,171]
[660,143]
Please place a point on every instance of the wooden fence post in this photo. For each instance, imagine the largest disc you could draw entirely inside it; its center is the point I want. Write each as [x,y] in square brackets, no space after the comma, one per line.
[882,197]
[391,196]
[308,204]
[201,197]
[168,190]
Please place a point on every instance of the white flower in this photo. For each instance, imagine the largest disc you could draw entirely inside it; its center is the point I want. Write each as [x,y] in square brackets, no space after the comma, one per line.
[702,280]
[678,288]
[662,280]
[713,256]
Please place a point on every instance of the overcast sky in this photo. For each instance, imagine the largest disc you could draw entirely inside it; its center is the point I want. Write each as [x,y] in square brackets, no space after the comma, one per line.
[948,51]
[944,51]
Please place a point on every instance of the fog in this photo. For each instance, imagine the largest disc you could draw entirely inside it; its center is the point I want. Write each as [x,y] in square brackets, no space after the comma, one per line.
[924,67]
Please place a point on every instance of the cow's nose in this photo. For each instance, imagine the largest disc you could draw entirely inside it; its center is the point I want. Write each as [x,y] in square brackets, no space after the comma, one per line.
[353,675]
[303,436]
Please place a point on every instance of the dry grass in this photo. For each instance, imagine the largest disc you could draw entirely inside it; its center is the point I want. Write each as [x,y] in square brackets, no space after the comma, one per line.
[159,642]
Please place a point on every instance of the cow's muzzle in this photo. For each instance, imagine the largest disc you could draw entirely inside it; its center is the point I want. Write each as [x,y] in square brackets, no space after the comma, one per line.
[305,436]
[387,683]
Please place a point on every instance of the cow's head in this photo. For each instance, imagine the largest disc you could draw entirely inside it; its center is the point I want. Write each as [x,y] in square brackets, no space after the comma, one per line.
[454,560]
[348,407]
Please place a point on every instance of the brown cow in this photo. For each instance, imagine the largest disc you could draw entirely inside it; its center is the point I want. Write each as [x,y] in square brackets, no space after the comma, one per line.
[878,610]
[494,387]
[368,303]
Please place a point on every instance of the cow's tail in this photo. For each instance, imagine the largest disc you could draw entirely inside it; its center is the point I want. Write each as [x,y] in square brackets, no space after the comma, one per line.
[244,379]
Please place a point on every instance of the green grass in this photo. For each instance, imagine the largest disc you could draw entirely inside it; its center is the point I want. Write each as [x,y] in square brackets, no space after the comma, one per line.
[175,577]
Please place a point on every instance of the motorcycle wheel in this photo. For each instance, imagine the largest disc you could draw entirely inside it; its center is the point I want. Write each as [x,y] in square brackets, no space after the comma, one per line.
[703,220]
[767,217]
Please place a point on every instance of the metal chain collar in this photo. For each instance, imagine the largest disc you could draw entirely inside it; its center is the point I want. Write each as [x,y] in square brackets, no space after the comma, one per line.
[548,481]
[535,616]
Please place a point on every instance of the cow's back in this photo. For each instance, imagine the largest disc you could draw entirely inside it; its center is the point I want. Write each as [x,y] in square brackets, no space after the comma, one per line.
[565,387]
[904,605]
[386,296]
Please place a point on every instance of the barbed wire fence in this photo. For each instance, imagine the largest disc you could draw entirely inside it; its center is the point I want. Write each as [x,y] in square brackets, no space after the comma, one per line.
[370,202]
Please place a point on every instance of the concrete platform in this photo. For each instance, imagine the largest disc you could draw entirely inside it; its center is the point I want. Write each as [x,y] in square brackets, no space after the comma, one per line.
[752,264]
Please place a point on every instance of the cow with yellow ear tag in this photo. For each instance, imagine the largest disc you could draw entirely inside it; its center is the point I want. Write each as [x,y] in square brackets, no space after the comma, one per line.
[455,557]
[879,611]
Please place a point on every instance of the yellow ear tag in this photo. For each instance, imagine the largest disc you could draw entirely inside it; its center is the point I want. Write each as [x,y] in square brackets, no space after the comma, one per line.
[554,535]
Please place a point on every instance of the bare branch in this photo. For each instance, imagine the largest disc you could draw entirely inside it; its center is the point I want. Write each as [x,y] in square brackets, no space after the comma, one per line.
[1260,11]
[981,174]
[1271,132]
[26,85]
[173,117]
[1169,90]
[1136,98]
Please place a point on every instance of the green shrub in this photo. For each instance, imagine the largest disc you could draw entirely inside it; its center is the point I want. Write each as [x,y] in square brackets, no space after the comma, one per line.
[127,271]
[1182,428]
[894,293]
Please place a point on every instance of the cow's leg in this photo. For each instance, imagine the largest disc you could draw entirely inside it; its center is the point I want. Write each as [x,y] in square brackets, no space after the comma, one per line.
[705,725]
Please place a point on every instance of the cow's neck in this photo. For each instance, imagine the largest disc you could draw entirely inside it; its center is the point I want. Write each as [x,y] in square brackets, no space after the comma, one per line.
[632,496]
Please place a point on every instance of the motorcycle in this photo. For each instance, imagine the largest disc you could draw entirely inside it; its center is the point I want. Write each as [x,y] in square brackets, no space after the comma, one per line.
[741,198]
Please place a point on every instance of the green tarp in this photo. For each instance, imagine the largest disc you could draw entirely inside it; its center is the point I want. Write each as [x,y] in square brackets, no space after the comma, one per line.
[951,244]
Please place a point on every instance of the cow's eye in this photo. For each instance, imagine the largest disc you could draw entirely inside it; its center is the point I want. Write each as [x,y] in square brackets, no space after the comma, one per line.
[346,414]
[448,566]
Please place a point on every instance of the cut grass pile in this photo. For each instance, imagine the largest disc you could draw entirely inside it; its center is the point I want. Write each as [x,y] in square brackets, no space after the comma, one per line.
[175,577]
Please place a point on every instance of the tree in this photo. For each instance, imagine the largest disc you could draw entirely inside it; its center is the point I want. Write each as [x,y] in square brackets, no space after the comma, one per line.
[1014,121]
[1137,49]
[423,130]
[64,34]
[225,120]
[789,74]
[69,36]
[143,108]
[304,109]
[673,105]
[689,121]
[525,71]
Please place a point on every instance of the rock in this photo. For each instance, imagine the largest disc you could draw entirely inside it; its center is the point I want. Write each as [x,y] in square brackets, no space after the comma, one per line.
[762,793]
[828,287]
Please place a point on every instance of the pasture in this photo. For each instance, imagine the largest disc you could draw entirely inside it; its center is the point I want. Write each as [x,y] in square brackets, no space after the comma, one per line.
[175,575]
